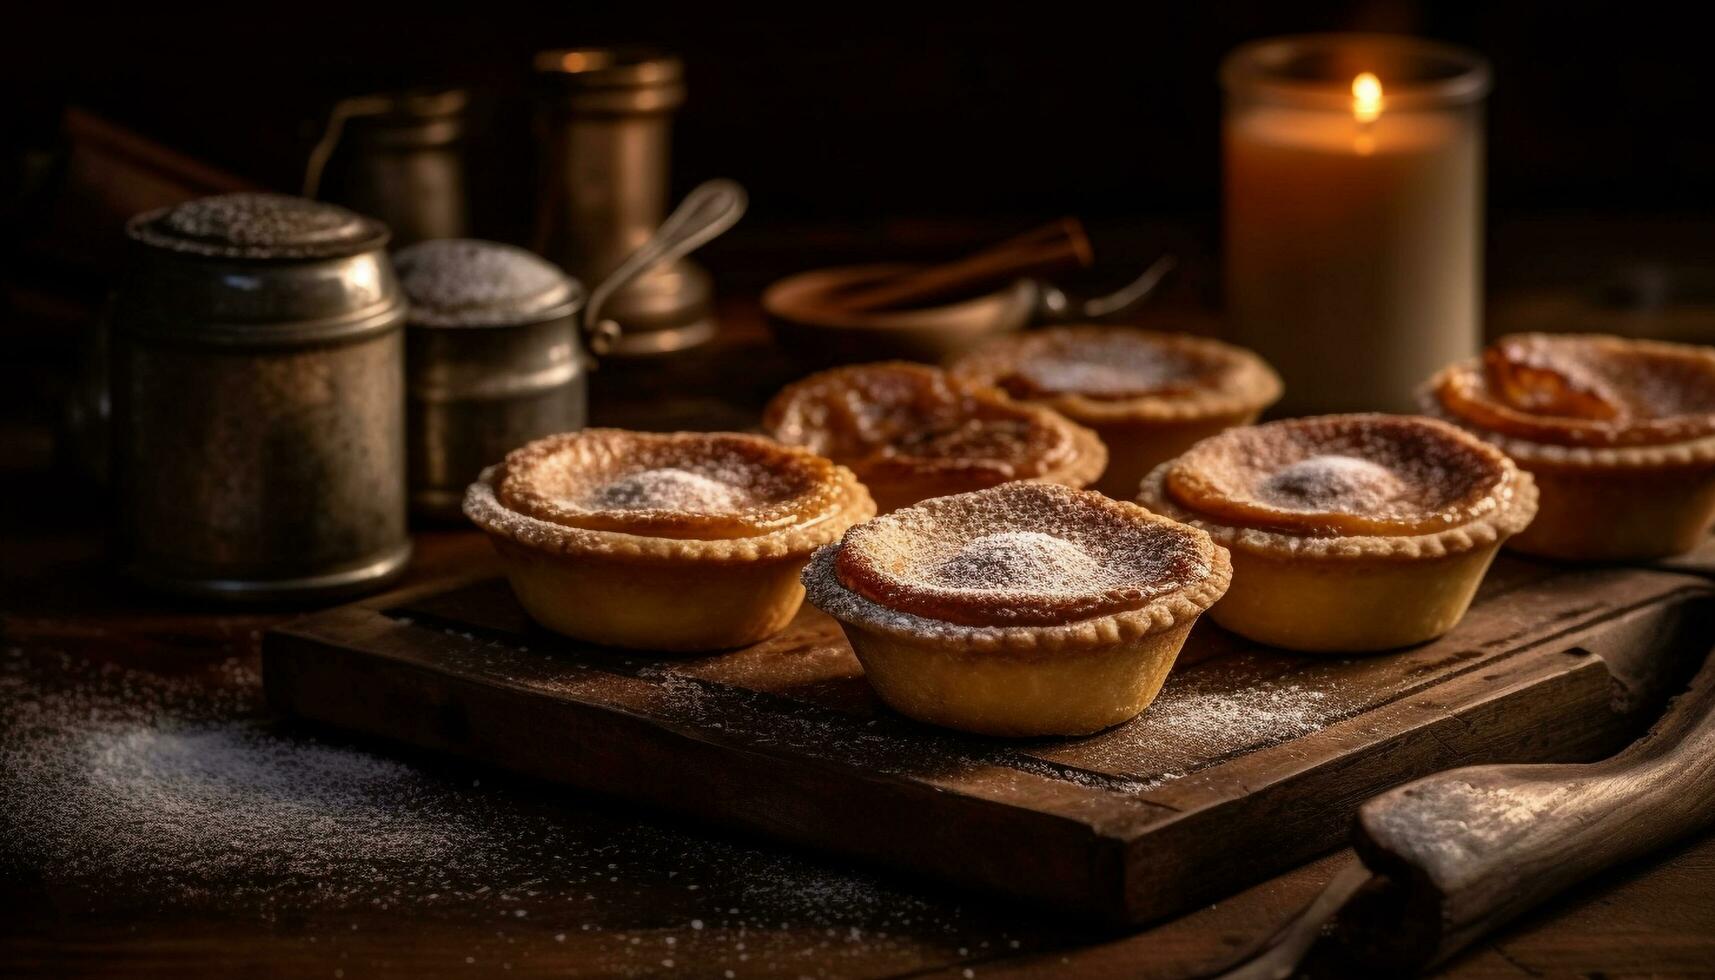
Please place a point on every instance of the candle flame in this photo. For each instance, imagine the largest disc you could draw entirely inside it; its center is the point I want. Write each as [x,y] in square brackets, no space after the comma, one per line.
[1366,97]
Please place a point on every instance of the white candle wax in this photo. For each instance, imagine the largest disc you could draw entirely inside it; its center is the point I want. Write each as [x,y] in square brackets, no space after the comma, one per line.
[1353,249]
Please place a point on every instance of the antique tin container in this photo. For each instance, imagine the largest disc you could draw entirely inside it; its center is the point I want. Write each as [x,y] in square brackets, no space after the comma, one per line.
[603,125]
[493,361]
[258,401]
[397,157]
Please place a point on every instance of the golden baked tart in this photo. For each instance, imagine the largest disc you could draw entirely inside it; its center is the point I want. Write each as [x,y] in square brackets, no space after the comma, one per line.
[911,432]
[1024,609]
[1349,533]
[1620,435]
[682,541]
[1148,395]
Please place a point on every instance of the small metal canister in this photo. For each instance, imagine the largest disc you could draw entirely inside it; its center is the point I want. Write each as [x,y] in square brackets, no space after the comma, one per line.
[493,357]
[258,400]
[603,126]
[397,157]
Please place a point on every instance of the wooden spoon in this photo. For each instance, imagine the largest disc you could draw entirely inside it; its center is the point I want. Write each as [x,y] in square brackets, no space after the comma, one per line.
[1453,856]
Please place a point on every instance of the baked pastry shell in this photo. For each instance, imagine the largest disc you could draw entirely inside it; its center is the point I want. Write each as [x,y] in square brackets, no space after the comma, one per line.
[664,594]
[1355,593]
[902,485]
[1066,679]
[1606,503]
[1138,446]
[690,607]
[1144,431]
[1089,459]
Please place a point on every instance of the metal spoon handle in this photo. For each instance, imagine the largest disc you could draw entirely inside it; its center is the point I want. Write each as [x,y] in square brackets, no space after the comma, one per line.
[711,208]
[1055,306]
[1124,299]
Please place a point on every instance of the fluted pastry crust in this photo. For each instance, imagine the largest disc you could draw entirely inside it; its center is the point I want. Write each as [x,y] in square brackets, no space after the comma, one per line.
[895,422]
[1023,569]
[1346,486]
[666,496]
[1584,401]
[1099,375]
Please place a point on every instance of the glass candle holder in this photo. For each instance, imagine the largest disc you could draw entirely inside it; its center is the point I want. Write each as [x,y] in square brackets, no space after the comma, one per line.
[1354,213]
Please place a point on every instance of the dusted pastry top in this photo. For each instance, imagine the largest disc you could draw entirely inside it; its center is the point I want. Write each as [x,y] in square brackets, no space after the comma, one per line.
[614,490]
[1582,391]
[1020,554]
[678,485]
[1100,373]
[1346,486]
[900,421]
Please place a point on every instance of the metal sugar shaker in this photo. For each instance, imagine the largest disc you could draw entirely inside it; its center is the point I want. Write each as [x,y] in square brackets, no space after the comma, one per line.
[258,401]
[603,121]
[493,361]
[396,156]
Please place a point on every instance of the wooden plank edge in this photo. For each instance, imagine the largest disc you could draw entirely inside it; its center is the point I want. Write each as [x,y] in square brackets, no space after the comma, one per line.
[962,840]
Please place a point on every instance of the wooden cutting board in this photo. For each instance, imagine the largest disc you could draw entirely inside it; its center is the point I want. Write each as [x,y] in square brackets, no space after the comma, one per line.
[1249,762]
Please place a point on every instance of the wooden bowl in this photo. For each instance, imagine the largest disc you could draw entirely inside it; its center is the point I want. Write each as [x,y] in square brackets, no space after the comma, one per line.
[819,333]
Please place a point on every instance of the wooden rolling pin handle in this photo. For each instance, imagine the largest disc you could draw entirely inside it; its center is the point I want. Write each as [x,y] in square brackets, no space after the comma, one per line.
[1051,248]
[1460,853]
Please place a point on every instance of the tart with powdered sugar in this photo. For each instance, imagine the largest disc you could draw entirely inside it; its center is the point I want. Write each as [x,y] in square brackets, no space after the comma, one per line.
[912,432]
[1024,609]
[1620,435]
[682,541]
[1349,533]
[1148,395]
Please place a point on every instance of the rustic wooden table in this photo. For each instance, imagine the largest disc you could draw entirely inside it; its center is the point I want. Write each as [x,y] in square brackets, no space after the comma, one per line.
[157,820]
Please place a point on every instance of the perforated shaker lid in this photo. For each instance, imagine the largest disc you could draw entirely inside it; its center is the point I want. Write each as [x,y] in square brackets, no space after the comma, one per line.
[464,282]
[258,226]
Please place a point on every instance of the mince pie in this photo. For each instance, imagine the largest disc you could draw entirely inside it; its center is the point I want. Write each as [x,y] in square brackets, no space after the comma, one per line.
[1620,435]
[1025,609]
[911,432]
[682,541]
[1148,395]
[1348,532]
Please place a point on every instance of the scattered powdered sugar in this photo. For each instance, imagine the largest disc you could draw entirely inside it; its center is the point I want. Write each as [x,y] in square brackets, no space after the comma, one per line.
[1008,559]
[125,790]
[196,803]
[1214,711]
[1110,368]
[1333,482]
[1017,554]
[668,488]
[239,797]
[1109,364]
[1246,716]
[1085,377]
[887,743]
[1384,467]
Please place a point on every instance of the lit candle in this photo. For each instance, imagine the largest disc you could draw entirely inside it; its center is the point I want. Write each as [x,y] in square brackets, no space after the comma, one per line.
[1354,213]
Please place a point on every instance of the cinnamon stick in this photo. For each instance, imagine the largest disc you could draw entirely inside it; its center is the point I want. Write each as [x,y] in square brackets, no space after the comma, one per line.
[1052,248]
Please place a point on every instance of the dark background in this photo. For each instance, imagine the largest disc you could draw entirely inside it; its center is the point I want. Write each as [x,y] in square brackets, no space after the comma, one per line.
[859,112]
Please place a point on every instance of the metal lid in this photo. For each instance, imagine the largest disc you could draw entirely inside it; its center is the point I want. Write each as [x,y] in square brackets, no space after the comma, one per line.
[258,270]
[464,282]
[620,80]
[258,226]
